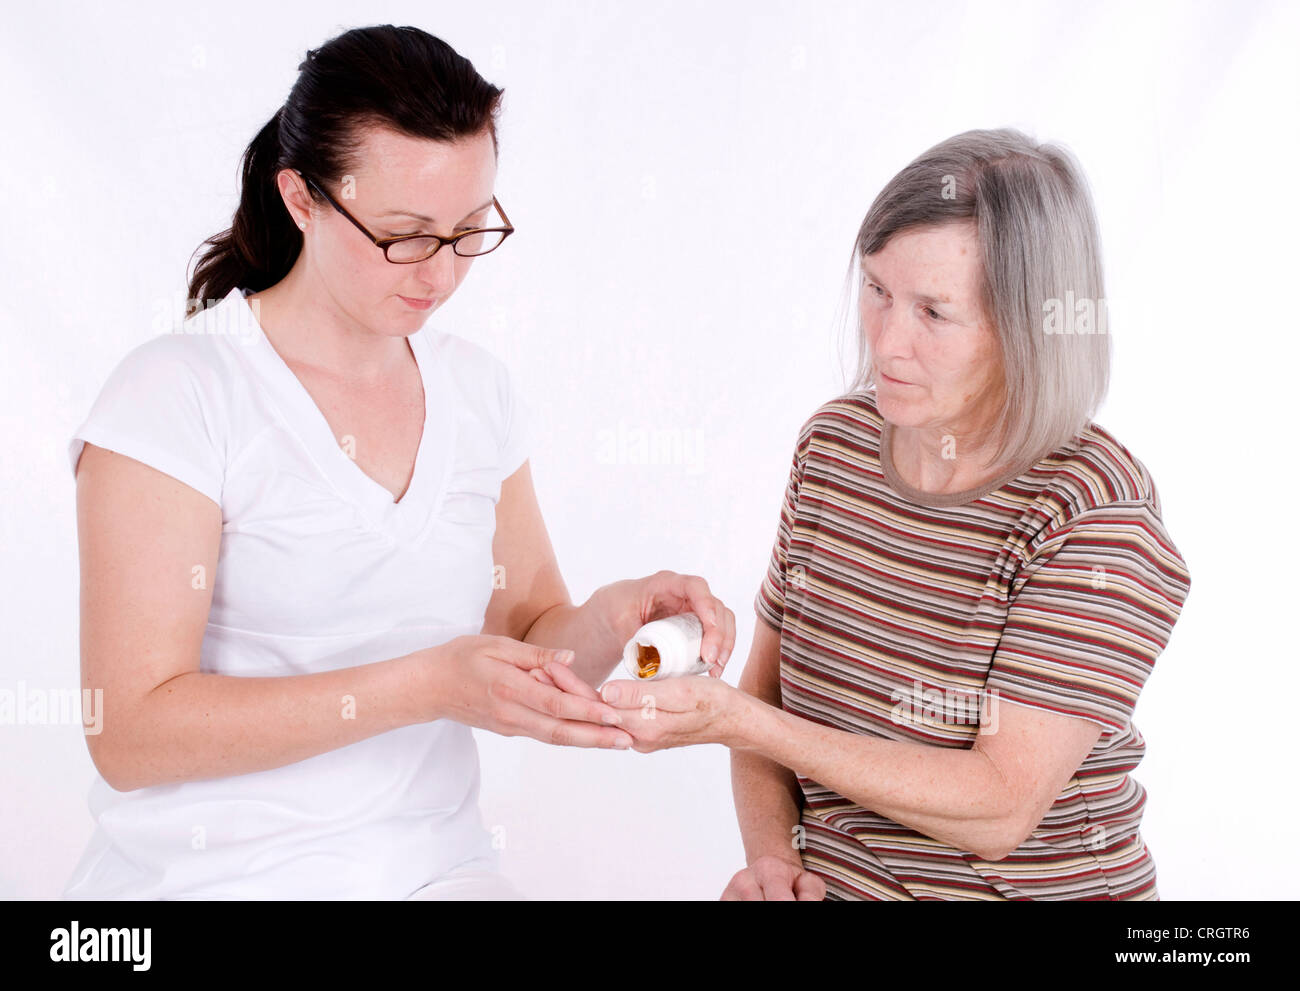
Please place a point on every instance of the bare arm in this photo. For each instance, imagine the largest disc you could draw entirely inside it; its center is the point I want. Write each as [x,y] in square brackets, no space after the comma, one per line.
[534,605]
[987,799]
[142,534]
[767,795]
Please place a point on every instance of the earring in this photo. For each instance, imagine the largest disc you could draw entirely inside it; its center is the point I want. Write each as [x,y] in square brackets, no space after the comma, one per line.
[302,225]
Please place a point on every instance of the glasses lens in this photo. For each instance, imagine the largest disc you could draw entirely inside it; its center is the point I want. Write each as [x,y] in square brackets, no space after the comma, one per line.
[479,243]
[413,250]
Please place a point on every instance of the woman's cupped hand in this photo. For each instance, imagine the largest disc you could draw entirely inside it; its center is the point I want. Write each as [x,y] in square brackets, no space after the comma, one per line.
[516,689]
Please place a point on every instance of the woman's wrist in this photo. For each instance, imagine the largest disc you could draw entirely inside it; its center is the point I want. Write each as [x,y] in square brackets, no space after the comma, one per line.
[417,676]
[613,612]
[783,851]
[751,725]
[589,630]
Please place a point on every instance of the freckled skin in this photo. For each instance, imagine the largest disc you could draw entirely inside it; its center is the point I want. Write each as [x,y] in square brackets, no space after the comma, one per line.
[943,347]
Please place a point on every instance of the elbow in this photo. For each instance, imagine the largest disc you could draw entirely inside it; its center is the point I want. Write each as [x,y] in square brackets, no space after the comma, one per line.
[993,853]
[106,766]
[1008,822]
[115,772]
[1003,837]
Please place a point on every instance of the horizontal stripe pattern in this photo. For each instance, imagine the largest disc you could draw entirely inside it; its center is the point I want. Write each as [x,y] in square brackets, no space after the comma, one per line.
[908,621]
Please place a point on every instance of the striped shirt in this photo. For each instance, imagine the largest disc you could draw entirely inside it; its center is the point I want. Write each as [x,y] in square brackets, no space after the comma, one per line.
[909,616]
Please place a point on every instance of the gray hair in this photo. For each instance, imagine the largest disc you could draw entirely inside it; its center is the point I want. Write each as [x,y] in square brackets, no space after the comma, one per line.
[1041,260]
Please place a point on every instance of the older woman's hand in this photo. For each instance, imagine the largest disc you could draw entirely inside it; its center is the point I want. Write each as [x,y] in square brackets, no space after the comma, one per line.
[678,712]
[774,879]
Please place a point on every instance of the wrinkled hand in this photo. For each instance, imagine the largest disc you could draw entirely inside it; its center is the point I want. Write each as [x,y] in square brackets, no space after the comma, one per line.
[676,712]
[774,879]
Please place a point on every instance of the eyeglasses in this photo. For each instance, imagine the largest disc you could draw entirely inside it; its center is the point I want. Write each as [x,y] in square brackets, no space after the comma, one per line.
[407,249]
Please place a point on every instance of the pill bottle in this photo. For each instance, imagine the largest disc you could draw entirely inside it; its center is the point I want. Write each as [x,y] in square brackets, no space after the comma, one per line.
[666,648]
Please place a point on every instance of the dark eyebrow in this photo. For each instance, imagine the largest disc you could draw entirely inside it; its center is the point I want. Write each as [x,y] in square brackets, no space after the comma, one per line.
[922,298]
[422,217]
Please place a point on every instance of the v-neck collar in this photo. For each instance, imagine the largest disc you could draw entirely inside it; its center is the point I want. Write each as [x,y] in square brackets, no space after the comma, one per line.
[406,519]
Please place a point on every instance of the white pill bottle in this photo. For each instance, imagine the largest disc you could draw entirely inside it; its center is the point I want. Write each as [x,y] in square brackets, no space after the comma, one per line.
[666,648]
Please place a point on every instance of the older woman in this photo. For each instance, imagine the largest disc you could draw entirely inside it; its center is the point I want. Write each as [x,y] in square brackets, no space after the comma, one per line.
[956,535]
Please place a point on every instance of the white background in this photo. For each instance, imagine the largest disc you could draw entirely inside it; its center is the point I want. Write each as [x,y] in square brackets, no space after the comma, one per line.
[687,180]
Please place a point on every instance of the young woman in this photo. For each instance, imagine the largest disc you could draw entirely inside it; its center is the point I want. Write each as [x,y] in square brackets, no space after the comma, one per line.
[970,581]
[311,554]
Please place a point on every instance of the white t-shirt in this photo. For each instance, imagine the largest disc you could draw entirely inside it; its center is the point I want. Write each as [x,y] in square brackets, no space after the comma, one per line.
[319,569]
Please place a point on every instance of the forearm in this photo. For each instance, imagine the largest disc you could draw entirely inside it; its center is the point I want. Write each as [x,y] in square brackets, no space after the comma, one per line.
[956,796]
[768,802]
[588,631]
[199,725]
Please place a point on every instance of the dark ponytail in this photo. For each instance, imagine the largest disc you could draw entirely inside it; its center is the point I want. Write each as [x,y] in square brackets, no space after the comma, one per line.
[399,77]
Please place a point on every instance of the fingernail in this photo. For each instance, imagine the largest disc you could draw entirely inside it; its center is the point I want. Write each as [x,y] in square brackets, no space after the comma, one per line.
[565,657]
[710,653]
[610,693]
[612,719]
[622,744]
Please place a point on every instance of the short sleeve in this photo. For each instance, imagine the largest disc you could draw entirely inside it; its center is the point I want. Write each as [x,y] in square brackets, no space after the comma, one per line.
[769,603]
[154,409]
[1090,612]
[517,422]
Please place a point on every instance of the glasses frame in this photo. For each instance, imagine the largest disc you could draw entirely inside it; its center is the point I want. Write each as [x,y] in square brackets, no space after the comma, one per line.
[383,243]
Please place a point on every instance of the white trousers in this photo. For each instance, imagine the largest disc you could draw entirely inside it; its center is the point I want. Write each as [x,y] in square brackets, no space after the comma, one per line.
[470,882]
